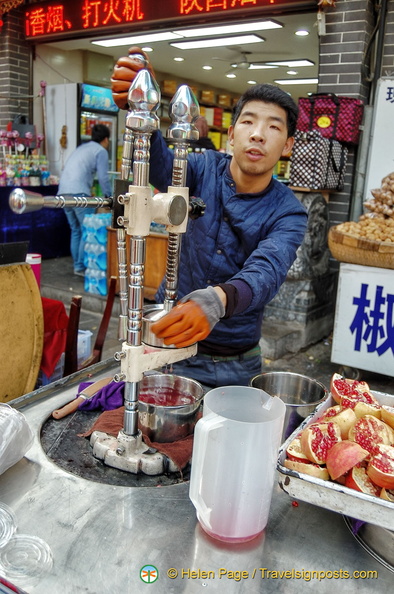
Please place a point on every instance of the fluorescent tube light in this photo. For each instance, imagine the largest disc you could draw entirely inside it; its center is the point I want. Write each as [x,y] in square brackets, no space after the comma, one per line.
[219,42]
[260,66]
[228,29]
[292,63]
[297,81]
[137,39]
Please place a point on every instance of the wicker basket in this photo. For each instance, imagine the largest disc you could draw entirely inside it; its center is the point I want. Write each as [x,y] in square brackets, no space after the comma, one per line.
[366,252]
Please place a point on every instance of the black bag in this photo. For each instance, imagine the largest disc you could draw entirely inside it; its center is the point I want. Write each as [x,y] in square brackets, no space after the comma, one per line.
[317,163]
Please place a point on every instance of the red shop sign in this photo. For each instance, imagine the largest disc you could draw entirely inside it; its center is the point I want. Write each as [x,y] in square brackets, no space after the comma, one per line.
[81,18]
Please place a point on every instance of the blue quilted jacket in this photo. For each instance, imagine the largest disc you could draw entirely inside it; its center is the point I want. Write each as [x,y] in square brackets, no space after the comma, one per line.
[251,237]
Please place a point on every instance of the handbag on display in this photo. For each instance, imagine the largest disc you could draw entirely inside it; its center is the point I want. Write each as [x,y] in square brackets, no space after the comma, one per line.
[335,117]
[316,162]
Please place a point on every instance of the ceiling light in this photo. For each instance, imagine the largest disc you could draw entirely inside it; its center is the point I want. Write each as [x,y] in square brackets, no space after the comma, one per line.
[291,72]
[179,59]
[219,42]
[147,49]
[292,63]
[231,75]
[228,29]
[207,67]
[260,67]
[251,82]
[302,33]
[137,39]
[297,81]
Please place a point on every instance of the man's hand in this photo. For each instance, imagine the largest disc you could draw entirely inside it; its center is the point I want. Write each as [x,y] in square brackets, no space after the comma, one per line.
[124,73]
[192,319]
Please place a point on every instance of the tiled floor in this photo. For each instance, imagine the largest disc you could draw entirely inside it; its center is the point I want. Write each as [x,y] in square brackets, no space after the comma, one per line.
[59,282]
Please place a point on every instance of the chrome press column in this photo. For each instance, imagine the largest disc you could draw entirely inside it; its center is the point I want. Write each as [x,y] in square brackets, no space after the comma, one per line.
[127,158]
[144,100]
[183,111]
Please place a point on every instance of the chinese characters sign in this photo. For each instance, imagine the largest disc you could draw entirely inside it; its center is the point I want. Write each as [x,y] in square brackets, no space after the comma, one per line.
[364,319]
[67,18]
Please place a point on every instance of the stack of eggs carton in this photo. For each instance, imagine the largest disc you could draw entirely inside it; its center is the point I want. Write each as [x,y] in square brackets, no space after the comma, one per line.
[95,258]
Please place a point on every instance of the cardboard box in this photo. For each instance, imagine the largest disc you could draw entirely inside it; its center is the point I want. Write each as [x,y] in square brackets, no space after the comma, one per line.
[226,119]
[169,86]
[209,114]
[195,90]
[217,116]
[223,142]
[216,138]
[224,100]
[208,96]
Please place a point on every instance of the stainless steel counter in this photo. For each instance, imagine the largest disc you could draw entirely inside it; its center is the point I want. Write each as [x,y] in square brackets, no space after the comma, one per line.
[102,535]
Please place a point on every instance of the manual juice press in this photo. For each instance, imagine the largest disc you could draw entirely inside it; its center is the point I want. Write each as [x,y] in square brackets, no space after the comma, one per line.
[133,210]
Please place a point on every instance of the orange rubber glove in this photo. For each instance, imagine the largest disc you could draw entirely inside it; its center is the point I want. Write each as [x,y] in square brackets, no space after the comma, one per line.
[124,73]
[191,320]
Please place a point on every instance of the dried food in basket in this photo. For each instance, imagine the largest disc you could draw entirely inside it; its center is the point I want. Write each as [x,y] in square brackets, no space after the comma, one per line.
[382,202]
[368,229]
[363,243]
[355,448]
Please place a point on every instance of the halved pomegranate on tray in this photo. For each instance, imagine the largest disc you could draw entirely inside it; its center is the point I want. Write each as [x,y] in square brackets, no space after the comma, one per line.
[359,480]
[314,470]
[369,432]
[317,439]
[343,417]
[340,386]
[343,456]
[381,467]
[350,446]
[294,451]
[356,395]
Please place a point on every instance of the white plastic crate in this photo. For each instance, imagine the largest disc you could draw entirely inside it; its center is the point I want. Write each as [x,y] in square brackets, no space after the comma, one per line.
[84,345]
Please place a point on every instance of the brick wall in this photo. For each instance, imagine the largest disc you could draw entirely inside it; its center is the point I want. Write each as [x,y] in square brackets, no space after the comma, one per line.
[348,31]
[388,52]
[15,67]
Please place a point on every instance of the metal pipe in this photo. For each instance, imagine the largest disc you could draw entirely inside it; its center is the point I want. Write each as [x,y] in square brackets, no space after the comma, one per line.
[183,111]
[22,201]
[122,270]
[141,120]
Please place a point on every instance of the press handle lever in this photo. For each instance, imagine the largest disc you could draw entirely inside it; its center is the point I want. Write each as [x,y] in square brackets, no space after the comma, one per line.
[68,409]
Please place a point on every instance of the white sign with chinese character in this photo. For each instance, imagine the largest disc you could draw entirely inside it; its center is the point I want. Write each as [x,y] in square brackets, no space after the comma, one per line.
[380,155]
[364,319]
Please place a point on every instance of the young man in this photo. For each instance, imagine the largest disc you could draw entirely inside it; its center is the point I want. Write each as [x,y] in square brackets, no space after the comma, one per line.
[77,179]
[234,258]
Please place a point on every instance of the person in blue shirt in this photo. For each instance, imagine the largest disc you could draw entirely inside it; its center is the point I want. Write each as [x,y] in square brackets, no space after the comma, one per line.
[85,161]
[234,258]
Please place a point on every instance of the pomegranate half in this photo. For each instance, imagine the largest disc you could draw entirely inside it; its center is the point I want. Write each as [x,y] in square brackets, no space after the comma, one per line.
[381,467]
[343,456]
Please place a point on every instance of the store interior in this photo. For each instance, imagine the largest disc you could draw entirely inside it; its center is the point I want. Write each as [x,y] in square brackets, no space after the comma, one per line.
[285,54]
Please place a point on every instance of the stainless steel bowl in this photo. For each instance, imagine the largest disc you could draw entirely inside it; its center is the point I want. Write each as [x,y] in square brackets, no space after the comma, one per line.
[300,393]
[151,314]
[169,407]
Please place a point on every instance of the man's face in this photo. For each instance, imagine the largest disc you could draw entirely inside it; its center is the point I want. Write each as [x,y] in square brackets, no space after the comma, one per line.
[259,139]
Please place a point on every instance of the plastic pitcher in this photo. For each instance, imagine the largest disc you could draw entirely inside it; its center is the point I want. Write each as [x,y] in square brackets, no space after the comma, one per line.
[235,450]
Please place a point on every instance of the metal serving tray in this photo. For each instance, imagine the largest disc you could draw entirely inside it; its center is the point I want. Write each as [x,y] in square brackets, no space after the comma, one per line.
[330,495]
